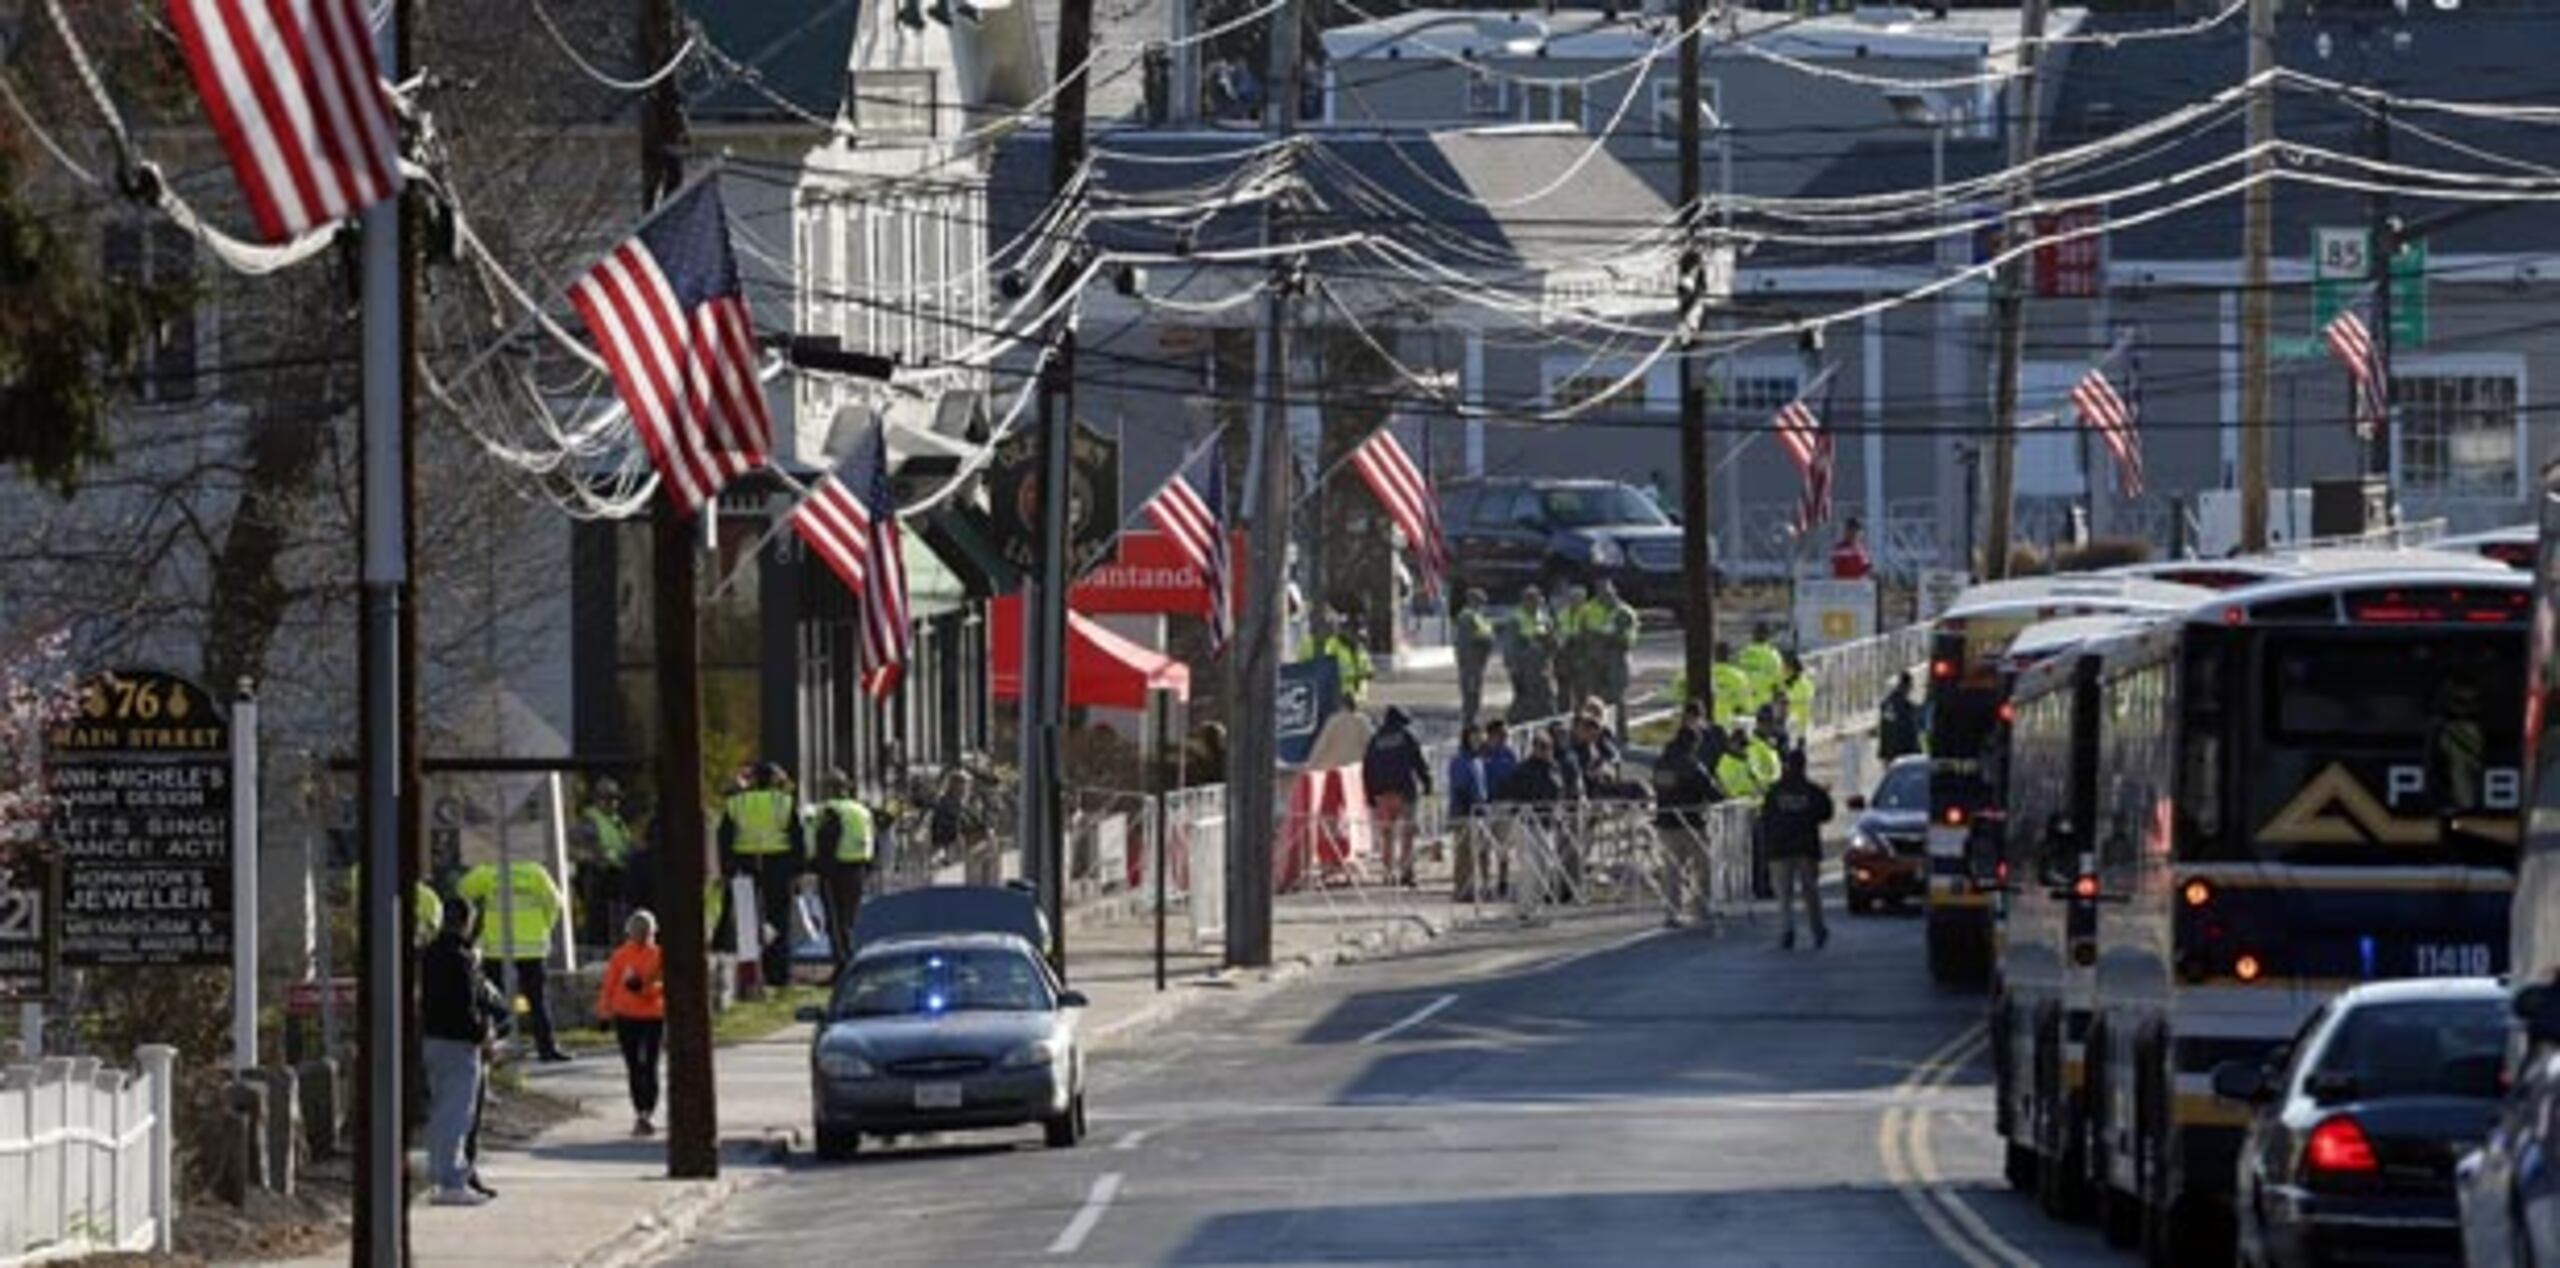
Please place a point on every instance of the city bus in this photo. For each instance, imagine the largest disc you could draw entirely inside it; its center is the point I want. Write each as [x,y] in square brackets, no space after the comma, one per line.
[2300,785]
[1969,671]
[2046,982]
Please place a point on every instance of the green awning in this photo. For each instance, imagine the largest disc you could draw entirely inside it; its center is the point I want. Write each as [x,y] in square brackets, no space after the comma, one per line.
[964,537]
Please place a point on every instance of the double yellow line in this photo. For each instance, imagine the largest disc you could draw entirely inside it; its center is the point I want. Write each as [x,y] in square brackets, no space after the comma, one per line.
[1911,1165]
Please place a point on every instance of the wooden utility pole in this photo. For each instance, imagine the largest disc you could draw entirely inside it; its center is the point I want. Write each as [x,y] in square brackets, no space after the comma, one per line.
[693,1111]
[1697,562]
[1045,694]
[2257,306]
[1252,759]
[2011,285]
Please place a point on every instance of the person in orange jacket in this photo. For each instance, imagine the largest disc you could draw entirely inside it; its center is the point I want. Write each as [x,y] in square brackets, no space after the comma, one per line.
[633,1000]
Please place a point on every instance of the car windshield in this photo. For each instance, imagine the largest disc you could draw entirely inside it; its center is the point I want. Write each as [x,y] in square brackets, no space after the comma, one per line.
[1905,787]
[1591,506]
[2435,1047]
[939,980]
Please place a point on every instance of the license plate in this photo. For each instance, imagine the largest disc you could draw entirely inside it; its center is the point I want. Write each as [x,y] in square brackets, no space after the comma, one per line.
[2451,959]
[937,1096]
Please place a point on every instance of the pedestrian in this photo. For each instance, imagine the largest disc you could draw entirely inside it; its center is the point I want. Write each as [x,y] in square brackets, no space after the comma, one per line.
[1539,784]
[1734,698]
[1849,558]
[1791,817]
[1497,756]
[845,842]
[1468,793]
[1573,647]
[760,839]
[1475,641]
[1615,631]
[455,1007]
[1898,721]
[1592,746]
[1535,780]
[1560,749]
[1397,775]
[1344,645]
[632,999]
[520,907]
[1797,690]
[603,844]
[1528,656]
[1763,662]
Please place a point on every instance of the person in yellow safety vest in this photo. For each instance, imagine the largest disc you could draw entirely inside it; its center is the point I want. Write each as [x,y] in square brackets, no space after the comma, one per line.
[1573,650]
[1766,763]
[1615,629]
[426,915]
[1350,659]
[1798,686]
[1766,666]
[1735,700]
[1474,636]
[843,841]
[760,838]
[1733,769]
[520,906]
[603,844]
[1528,655]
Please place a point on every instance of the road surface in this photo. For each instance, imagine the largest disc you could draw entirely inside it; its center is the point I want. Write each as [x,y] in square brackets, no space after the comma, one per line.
[1586,1094]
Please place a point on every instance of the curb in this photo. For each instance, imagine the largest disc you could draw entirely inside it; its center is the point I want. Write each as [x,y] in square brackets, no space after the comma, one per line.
[656,1232]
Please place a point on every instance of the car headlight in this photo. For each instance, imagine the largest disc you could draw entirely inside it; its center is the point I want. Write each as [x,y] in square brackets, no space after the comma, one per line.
[840,1064]
[1864,843]
[1033,1056]
[1605,553]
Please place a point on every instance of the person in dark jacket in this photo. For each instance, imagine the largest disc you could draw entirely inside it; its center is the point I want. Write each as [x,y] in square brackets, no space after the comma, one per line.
[1792,813]
[1898,722]
[1498,756]
[455,1005]
[1397,775]
[1468,794]
[1535,781]
[1559,742]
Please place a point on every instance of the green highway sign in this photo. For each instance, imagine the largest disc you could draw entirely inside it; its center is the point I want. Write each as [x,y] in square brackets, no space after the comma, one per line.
[2341,267]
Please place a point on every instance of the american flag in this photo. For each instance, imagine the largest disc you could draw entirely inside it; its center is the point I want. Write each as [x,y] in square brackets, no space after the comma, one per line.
[888,627]
[666,310]
[295,97]
[2105,411]
[1191,509]
[1807,441]
[1409,502]
[837,526]
[2351,341]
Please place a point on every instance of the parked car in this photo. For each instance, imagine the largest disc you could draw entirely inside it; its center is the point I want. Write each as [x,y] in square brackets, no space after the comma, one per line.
[1507,532]
[2349,1155]
[1888,856]
[2509,1189]
[946,1017]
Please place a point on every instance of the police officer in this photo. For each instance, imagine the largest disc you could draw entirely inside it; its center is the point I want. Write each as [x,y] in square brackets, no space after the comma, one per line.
[1475,642]
[1615,627]
[1797,687]
[845,844]
[760,838]
[1733,767]
[1528,655]
[605,846]
[1350,657]
[520,905]
[1573,649]
[1735,700]
[1765,664]
[1791,817]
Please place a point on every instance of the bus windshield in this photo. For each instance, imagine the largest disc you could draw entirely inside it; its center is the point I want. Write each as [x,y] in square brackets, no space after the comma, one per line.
[2370,744]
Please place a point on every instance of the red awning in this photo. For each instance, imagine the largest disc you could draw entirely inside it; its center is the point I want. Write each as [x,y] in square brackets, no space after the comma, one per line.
[1104,670]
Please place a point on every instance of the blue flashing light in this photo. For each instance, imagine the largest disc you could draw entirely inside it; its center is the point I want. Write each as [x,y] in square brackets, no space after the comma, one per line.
[933,962]
[2364,955]
[933,1003]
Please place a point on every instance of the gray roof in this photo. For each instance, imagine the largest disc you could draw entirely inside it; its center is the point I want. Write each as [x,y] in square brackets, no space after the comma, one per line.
[1426,172]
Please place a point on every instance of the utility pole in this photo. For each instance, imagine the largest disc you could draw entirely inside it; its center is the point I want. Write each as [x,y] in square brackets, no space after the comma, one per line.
[1697,563]
[1251,760]
[381,1221]
[2257,306]
[2011,285]
[2384,247]
[1045,713]
[413,675]
[693,1111]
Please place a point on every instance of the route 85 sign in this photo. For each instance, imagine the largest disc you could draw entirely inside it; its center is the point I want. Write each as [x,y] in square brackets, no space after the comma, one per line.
[1093,498]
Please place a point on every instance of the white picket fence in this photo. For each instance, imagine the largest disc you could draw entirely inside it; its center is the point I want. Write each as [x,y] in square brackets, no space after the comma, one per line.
[85,1156]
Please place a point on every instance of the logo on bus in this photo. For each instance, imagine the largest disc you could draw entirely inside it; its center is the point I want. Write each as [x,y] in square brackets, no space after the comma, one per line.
[2335,808]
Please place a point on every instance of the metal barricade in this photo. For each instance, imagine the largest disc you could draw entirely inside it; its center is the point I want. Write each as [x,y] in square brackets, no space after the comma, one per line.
[1850,679]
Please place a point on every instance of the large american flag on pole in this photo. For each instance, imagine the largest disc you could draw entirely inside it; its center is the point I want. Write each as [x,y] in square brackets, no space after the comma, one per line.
[1191,509]
[2350,339]
[294,95]
[668,314]
[888,625]
[1807,441]
[1409,501]
[2113,416]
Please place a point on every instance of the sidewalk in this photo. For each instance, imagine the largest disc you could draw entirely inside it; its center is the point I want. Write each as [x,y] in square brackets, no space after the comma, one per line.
[586,1193]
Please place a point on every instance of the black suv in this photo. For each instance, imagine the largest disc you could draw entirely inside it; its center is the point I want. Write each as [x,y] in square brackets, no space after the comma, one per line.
[1509,532]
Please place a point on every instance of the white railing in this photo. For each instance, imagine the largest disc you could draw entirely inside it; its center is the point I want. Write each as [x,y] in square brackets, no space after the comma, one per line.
[85,1155]
[1850,679]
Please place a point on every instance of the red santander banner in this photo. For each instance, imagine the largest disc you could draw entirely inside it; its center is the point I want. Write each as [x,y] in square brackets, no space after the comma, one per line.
[1147,575]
